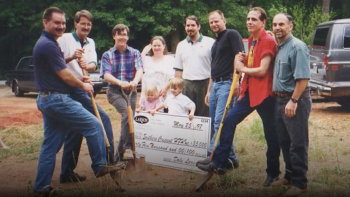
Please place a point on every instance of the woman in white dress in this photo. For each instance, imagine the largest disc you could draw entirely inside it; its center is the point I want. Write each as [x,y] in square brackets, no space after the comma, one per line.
[158,67]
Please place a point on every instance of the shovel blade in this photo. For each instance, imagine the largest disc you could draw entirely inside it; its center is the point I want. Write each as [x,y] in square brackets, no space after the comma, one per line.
[117,178]
[136,170]
[204,179]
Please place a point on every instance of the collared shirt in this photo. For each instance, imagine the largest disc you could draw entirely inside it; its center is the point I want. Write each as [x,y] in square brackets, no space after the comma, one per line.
[122,65]
[228,43]
[292,62]
[69,43]
[178,105]
[48,59]
[193,58]
[259,87]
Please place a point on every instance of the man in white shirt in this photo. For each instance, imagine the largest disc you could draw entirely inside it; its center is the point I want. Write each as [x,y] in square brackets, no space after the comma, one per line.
[80,53]
[192,63]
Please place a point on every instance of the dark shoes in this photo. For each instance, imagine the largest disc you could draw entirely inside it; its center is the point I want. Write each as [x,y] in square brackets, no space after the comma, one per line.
[73,178]
[210,167]
[110,168]
[270,179]
[201,163]
[49,192]
[280,182]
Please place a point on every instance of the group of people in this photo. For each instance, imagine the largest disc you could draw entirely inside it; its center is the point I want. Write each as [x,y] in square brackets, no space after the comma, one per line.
[196,82]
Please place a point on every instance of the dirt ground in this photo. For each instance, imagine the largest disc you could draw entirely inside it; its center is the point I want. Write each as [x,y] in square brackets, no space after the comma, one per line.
[17,174]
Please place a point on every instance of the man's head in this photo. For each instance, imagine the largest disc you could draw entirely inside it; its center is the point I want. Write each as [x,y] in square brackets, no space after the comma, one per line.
[217,21]
[120,34]
[192,26]
[54,22]
[83,23]
[256,20]
[282,25]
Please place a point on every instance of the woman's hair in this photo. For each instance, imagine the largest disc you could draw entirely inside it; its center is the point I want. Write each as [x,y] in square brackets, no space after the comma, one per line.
[177,83]
[165,52]
[151,90]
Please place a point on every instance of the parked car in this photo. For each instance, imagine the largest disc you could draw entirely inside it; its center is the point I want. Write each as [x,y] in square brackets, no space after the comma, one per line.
[21,80]
[330,61]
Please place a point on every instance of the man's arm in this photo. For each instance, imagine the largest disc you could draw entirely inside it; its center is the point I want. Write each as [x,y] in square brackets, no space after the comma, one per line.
[136,79]
[260,71]
[206,99]
[68,77]
[178,73]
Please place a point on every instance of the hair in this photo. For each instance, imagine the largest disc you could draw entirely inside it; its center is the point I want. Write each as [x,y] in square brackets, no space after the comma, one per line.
[192,18]
[119,28]
[48,12]
[177,83]
[151,89]
[83,13]
[263,15]
[165,52]
[289,17]
[218,12]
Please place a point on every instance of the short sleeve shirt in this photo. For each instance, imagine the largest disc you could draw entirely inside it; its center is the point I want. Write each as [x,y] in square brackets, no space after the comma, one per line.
[179,105]
[122,65]
[69,43]
[48,59]
[292,62]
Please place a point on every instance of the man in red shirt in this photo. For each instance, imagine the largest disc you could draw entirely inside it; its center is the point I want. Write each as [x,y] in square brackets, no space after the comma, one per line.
[256,94]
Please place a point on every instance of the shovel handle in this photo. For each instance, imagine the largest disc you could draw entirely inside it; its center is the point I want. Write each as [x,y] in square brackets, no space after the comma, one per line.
[228,102]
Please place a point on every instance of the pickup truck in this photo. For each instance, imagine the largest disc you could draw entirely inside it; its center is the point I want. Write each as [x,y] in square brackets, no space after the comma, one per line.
[330,61]
[21,80]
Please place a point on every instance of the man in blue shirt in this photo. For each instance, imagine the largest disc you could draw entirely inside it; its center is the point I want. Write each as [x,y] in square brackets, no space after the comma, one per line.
[61,114]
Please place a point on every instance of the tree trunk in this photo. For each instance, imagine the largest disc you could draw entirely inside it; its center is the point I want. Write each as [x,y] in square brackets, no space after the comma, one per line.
[174,40]
[325,6]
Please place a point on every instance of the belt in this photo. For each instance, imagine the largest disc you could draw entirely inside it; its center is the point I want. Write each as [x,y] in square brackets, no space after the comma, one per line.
[285,94]
[218,79]
[49,92]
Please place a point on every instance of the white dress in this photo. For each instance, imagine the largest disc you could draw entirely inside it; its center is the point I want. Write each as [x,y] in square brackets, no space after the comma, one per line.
[157,73]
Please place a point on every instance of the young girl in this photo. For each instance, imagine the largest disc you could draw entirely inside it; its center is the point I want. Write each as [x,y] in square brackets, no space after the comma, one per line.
[151,99]
[177,103]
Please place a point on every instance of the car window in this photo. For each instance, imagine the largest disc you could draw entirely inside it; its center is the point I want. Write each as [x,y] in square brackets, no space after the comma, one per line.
[320,38]
[25,63]
[347,37]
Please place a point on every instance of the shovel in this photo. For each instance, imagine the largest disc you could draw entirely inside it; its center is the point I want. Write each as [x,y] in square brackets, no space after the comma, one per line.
[114,175]
[136,169]
[205,178]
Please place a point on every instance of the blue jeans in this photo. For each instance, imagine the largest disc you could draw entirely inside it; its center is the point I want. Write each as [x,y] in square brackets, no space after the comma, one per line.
[62,115]
[116,99]
[73,140]
[293,135]
[219,93]
[235,115]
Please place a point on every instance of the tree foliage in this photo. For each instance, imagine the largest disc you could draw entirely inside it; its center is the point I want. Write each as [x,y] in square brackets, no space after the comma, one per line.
[20,20]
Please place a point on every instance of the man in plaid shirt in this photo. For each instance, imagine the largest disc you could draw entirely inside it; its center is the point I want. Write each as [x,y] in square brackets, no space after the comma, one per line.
[122,69]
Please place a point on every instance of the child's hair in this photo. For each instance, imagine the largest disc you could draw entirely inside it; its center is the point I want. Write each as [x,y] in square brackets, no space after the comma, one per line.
[177,83]
[151,90]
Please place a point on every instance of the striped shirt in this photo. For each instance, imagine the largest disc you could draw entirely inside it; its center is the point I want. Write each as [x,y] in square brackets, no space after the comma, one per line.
[122,65]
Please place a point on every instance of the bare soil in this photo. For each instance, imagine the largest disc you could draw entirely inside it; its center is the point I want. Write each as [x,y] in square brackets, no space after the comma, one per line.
[17,174]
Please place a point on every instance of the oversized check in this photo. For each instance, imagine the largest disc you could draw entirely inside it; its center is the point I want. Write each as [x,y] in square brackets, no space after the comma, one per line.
[172,141]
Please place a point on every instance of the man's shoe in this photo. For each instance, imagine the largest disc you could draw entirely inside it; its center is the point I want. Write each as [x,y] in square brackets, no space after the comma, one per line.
[110,168]
[270,179]
[280,182]
[49,192]
[128,154]
[211,168]
[294,191]
[72,178]
[230,164]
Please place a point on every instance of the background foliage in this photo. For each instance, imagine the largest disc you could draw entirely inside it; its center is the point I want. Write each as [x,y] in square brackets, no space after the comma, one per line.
[20,20]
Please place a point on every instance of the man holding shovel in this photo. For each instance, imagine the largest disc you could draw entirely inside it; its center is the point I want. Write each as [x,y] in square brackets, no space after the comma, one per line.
[122,68]
[256,94]
[61,114]
[80,53]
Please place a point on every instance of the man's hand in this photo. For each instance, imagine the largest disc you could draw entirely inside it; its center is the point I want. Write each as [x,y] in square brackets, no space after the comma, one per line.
[82,63]
[86,79]
[87,87]
[236,92]
[206,99]
[133,85]
[78,54]
[290,109]
[124,85]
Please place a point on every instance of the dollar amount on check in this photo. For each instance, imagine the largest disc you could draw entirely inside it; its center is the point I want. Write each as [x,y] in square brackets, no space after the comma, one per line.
[172,141]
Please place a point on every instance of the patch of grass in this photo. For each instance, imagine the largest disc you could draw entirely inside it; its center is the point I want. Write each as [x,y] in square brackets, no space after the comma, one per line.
[256,130]
[22,141]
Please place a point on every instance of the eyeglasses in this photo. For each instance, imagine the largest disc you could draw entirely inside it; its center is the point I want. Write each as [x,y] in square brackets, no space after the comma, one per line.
[85,24]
